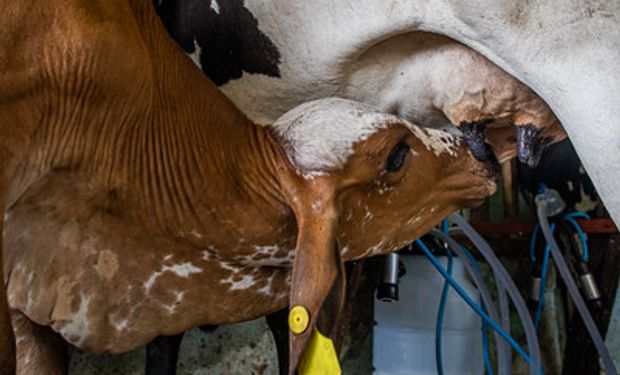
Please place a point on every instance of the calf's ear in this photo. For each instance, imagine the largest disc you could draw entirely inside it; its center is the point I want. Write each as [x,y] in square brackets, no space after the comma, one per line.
[318,280]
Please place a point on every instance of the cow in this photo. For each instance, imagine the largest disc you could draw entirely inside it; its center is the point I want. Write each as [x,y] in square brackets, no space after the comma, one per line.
[439,82]
[141,202]
[563,51]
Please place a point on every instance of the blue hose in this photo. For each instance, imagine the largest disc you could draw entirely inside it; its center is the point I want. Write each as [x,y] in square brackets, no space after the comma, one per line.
[543,283]
[473,304]
[444,226]
[582,236]
[533,243]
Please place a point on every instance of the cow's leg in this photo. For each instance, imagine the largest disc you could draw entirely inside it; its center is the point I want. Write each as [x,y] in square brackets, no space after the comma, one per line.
[162,355]
[278,323]
[39,349]
[208,328]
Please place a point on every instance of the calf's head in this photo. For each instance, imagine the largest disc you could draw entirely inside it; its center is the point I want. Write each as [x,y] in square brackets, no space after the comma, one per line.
[362,183]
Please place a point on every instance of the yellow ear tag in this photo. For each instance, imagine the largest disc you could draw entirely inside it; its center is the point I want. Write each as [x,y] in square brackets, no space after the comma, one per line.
[298,319]
[320,357]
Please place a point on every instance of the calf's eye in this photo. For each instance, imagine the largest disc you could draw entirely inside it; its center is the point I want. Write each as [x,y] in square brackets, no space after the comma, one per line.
[397,157]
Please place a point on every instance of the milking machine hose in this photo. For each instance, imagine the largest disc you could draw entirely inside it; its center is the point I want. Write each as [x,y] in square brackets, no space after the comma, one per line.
[485,295]
[504,313]
[463,294]
[570,218]
[543,283]
[560,263]
[484,325]
[504,279]
[440,313]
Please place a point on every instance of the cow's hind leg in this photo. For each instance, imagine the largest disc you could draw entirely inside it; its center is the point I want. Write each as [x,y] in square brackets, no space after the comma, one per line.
[162,355]
[39,349]
[278,323]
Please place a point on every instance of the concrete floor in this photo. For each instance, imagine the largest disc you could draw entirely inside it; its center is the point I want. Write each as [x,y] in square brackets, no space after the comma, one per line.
[244,348]
[238,349]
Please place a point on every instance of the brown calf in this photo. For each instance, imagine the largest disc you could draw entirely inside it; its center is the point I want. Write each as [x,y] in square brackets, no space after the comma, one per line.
[141,202]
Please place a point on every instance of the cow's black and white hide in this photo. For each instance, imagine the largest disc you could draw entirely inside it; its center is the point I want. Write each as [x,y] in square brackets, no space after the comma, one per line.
[223,37]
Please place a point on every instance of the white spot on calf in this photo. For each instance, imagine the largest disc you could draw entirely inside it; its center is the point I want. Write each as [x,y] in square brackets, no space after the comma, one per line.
[368,216]
[181,270]
[319,135]
[317,205]
[151,280]
[77,328]
[382,189]
[178,298]
[267,250]
[121,325]
[267,289]
[229,266]
[196,234]
[246,282]
[437,141]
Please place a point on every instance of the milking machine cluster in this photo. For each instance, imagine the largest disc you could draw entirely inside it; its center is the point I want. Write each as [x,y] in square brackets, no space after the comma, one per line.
[430,318]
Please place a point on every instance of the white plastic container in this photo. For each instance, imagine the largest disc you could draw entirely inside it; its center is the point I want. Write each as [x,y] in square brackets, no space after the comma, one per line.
[404,334]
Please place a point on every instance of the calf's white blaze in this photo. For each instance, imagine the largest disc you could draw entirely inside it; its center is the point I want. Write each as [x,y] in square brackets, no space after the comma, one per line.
[319,135]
